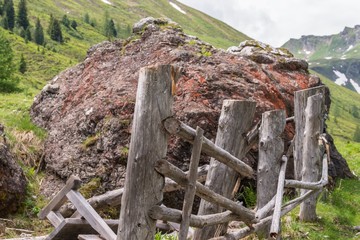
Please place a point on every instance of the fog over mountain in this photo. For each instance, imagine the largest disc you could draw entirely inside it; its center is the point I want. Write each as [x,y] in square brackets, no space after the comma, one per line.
[277,21]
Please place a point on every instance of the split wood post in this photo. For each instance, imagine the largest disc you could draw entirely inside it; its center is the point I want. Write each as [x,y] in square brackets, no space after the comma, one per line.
[191,187]
[311,153]
[235,120]
[271,148]
[143,185]
[301,98]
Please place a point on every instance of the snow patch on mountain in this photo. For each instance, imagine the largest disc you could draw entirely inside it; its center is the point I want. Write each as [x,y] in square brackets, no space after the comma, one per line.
[355,85]
[342,79]
[107,2]
[177,7]
[328,58]
[349,48]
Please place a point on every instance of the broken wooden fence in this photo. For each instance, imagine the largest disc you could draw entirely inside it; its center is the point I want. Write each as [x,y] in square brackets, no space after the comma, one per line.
[149,173]
[142,197]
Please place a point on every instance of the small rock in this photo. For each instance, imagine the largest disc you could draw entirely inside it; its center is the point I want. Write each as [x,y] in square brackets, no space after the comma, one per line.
[52,88]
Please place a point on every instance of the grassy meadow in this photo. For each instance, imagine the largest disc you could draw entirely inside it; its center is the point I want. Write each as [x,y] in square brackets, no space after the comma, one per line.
[338,210]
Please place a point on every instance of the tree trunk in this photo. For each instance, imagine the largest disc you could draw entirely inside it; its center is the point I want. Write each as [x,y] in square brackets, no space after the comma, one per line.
[271,148]
[311,153]
[301,98]
[143,185]
[235,120]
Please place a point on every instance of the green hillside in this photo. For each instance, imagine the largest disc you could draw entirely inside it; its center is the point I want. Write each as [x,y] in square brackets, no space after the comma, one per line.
[45,62]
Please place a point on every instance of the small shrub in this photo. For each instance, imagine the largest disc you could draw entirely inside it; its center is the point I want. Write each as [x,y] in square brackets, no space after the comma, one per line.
[90,141]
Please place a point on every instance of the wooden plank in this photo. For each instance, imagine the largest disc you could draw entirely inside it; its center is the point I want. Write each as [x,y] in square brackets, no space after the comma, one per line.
[90,215]
[175,215]
[235,121]
[190,188]
[73,183]
[271,147]
[113,198]
[180,129]
[275,224]
[143,186]
[311,153]
[301,98]
[70,228]
[89,237]
[55,218]
[171,171]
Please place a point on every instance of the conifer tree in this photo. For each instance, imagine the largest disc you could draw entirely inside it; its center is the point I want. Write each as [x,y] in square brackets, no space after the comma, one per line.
[22,16]
[74,24]
[87,18]
[28,36]
[357,134]
[22,65]
[7,82]
[110,30]
[1,8]
[39,33]
[55,31]
[51,23]
[9,12]
[65,21]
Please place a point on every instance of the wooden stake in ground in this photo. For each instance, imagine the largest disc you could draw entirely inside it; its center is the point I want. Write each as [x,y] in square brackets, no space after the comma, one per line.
[235,120]
[311,153]
[271,148]
[143,185]
[301,98]
[191,187]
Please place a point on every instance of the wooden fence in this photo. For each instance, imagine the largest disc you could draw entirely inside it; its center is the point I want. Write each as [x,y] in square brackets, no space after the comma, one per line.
[149,174]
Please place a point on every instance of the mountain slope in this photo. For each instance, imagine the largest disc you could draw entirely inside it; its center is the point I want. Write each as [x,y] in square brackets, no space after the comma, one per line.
[335,56]
[44,62]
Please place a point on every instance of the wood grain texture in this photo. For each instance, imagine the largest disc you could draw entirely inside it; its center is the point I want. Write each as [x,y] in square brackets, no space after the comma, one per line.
[191,187]
[143,185]
[271,147]
[301,98]
[311,153]
[73,183]
[171,171]
[187,133]
[235,121]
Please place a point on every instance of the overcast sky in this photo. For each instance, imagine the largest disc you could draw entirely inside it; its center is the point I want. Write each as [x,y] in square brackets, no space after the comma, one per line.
[276,21]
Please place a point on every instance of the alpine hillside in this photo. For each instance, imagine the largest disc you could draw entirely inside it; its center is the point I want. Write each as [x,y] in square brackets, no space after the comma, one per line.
[335,56]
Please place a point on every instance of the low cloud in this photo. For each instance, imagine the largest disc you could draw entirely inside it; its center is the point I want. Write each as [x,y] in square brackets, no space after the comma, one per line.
[275,22]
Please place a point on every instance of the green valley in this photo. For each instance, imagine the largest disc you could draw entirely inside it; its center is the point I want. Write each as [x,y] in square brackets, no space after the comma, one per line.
[338,209]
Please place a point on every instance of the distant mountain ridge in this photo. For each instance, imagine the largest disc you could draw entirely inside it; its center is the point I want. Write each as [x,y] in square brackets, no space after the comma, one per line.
[336,56]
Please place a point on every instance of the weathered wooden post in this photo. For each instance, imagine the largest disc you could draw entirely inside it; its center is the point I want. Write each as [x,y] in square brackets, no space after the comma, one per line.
[311,153]
[301,98]
[235,120]
[271,148]
[143,185]
[191,187]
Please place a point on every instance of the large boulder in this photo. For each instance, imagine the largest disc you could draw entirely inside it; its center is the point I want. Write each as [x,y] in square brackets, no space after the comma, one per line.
[12,179]
[88,109]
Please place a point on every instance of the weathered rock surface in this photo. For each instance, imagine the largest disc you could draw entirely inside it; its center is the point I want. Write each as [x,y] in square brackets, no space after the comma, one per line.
[88,109]
[12,179]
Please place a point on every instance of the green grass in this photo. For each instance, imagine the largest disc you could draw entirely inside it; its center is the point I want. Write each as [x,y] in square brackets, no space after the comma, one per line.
[338,210]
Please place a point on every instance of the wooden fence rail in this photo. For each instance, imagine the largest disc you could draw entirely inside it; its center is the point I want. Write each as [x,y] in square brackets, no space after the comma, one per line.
[149,174]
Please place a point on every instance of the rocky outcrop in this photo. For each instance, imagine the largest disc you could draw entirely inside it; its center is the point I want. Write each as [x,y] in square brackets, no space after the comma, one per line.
[12,179]
[88,109]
